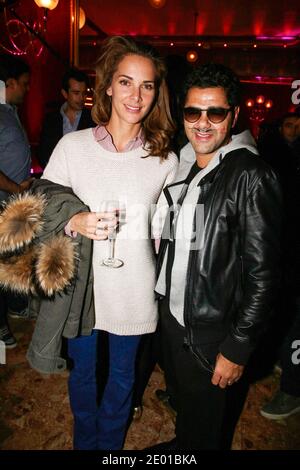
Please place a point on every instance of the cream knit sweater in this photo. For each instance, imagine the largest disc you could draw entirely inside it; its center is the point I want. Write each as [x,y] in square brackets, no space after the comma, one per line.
[124,297]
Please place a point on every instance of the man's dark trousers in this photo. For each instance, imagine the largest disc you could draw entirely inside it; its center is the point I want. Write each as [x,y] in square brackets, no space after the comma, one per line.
[200,405]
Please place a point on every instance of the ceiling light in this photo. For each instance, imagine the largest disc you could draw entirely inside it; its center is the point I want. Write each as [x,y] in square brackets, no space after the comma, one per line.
[50,4]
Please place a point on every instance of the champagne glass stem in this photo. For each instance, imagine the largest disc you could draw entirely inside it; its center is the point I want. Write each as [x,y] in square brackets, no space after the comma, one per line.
[111,206]
[111,248]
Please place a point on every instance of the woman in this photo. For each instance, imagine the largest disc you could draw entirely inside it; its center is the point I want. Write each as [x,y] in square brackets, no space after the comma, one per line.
[127,158]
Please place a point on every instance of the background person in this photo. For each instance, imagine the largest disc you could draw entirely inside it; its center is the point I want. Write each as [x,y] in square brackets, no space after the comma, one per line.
[286,161]
[72,115]
[15,164]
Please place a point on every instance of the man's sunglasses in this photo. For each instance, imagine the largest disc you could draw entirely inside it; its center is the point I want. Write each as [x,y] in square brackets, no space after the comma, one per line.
[214,115]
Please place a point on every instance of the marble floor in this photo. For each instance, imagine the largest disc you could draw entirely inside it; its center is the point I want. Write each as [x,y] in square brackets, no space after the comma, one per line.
[35,413]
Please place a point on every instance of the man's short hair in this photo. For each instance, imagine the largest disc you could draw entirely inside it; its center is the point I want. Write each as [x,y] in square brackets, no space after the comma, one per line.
[288,116]
[214,75]
[77,75]
[12,67]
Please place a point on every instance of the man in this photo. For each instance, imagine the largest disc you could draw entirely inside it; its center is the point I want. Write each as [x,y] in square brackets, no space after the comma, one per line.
[15,159]
[218,258]
[289,127]
[286,400]
[15,163]
[72,115]
[279,146]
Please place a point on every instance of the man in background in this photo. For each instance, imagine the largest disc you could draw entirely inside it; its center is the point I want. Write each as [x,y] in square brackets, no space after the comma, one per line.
[15,164]
[71,116]
[283,153]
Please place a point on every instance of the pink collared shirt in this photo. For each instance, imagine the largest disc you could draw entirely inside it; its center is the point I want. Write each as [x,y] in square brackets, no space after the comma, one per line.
[104,138]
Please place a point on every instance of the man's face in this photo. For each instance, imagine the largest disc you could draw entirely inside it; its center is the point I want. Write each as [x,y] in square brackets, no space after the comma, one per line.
[206,137]
[290,129]
[76,95]
[17,89]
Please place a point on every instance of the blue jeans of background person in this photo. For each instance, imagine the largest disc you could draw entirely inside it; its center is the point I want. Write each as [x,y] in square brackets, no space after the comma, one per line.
[101,426]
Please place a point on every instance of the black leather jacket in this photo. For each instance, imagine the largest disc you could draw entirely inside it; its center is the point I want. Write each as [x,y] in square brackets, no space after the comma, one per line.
[233,278]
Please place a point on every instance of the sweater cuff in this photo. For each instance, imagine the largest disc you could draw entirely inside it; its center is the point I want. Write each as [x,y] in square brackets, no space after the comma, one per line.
[235,351]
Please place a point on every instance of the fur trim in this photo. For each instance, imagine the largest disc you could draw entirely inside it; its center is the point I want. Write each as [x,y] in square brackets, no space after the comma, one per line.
[20,222]
[55,265]
[16,272]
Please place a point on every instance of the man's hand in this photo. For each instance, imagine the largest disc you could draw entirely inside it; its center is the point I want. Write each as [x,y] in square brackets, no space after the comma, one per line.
[25,184]
[226,372]
[9,186]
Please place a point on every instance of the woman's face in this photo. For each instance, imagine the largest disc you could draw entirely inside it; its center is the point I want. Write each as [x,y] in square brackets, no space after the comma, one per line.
[132,89]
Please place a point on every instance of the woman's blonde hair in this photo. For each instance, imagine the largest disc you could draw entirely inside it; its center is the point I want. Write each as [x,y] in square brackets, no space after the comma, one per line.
[158,125]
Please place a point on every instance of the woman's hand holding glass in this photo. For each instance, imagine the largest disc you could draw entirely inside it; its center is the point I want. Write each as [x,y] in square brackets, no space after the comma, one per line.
[112,206]
[94,225]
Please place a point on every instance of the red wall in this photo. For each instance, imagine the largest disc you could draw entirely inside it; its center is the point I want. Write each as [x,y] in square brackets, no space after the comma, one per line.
[47,70]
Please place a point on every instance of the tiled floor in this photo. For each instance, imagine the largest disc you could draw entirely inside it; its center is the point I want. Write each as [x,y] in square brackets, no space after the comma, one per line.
[35,413]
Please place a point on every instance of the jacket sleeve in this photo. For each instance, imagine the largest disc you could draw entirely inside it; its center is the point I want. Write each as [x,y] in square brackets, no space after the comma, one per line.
[260,236]
[61,205]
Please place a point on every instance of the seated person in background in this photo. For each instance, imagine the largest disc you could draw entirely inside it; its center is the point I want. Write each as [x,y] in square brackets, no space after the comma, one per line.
[72,115]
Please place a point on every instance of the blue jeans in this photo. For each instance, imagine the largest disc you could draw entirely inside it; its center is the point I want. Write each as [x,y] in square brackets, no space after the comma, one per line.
[101,426]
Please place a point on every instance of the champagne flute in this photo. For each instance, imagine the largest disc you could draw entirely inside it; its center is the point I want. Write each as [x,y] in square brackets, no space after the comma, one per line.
[111,206]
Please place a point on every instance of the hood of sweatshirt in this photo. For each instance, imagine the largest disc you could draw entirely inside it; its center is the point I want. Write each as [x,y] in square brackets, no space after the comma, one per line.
[242,140]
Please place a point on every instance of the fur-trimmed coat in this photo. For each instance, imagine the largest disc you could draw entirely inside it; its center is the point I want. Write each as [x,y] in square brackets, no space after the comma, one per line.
[37,258]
